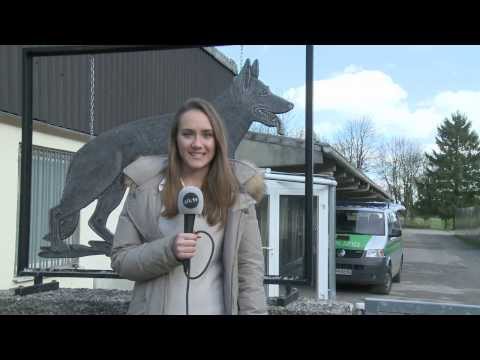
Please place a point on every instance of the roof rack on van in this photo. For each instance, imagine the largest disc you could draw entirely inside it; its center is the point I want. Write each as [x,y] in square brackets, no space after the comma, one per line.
[377,204]
[363,203]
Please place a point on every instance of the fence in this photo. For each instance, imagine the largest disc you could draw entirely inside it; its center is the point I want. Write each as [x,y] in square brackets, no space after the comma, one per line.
[467,222]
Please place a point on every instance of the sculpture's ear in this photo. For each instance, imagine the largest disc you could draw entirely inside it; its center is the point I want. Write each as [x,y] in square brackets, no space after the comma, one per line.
[245,74]
[255,69]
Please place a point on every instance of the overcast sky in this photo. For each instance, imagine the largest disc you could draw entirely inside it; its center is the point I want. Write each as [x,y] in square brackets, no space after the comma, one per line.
[405,90]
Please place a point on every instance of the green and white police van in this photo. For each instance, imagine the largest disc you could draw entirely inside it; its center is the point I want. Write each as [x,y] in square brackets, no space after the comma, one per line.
[369,245]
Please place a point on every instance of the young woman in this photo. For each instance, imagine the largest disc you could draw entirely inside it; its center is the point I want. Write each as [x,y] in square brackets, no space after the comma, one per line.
[150,245]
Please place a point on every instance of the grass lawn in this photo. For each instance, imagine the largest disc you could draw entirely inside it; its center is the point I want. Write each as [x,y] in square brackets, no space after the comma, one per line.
[470,240]
[431,223]
[437,224]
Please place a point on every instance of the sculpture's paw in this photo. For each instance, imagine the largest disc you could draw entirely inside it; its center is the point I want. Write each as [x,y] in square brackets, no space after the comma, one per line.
[70,251]
[103,246]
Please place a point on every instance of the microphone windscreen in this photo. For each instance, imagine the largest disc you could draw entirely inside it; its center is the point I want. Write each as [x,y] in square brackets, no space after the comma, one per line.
[190,200]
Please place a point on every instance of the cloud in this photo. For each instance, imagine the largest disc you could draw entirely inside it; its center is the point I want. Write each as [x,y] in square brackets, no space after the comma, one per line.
[326,128]
[429,147]
[350,69]
[465,101]
[355,93]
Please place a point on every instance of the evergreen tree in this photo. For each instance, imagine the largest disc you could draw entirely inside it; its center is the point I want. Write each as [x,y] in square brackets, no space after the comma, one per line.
[452,177]
[425,203]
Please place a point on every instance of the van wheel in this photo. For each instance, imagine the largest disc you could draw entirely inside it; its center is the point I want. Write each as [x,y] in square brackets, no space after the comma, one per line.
[396,279]
[386,286]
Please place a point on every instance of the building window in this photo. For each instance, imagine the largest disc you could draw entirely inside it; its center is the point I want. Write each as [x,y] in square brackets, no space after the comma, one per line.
[49,170]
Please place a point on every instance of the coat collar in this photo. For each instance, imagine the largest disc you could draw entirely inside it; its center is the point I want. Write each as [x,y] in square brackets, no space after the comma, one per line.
[250,178]
[145,168]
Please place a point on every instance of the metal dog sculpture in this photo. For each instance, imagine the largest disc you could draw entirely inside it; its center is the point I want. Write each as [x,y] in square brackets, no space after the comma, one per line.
[96,169]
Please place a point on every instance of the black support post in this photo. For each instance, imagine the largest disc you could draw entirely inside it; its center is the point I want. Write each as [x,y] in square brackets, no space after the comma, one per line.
[26,162]
[309,165]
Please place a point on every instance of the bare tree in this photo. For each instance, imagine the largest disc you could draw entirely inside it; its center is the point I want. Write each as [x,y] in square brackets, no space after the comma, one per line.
[357,143]
[300,133]
[400,163]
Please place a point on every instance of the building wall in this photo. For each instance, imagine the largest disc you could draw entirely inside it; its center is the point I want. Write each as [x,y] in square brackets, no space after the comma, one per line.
[10,139]
[127,86]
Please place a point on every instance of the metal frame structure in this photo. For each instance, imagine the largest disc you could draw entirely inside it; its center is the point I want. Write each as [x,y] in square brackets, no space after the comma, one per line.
[28,54]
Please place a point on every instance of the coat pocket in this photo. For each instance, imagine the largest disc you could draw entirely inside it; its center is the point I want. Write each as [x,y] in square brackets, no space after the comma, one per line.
[138,304]
[157,295]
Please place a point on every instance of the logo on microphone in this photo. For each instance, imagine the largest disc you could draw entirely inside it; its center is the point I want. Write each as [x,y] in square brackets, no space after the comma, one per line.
[190,200]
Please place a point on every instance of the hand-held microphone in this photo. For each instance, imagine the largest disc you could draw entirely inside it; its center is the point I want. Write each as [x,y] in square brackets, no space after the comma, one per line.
[190,203]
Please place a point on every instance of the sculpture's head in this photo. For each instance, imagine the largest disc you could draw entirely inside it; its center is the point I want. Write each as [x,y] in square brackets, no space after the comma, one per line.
[257,98]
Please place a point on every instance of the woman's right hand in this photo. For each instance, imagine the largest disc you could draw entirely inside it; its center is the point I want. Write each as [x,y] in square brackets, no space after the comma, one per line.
[185,246]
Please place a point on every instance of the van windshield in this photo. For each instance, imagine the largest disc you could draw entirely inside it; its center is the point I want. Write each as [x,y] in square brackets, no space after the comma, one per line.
[360,222]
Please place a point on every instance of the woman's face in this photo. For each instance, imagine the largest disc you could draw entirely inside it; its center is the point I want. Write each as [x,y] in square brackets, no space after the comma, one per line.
[195,140]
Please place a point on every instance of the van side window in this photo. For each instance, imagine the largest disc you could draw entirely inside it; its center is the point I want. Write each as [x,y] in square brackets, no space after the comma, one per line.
[396,222]
[390,223]
[393,223]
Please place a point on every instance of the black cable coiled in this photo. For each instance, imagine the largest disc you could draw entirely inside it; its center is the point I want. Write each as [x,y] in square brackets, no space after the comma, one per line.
[186,269]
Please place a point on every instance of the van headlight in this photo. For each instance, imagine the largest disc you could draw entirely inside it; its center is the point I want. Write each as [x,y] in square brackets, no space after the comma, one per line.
[374,253]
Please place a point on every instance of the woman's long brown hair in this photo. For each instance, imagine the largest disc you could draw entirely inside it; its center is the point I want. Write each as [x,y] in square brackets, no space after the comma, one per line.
[220,186]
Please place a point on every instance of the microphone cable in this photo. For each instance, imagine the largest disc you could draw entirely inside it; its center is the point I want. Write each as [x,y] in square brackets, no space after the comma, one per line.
[186,268]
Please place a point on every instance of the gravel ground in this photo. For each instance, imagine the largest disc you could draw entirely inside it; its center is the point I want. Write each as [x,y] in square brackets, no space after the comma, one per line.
[115,302]
[66,302]
[309,306]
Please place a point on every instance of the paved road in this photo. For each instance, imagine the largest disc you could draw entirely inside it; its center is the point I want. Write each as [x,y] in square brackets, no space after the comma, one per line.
[437,267]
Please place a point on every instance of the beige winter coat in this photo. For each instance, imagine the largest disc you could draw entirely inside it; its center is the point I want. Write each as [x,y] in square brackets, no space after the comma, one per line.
[141,254]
